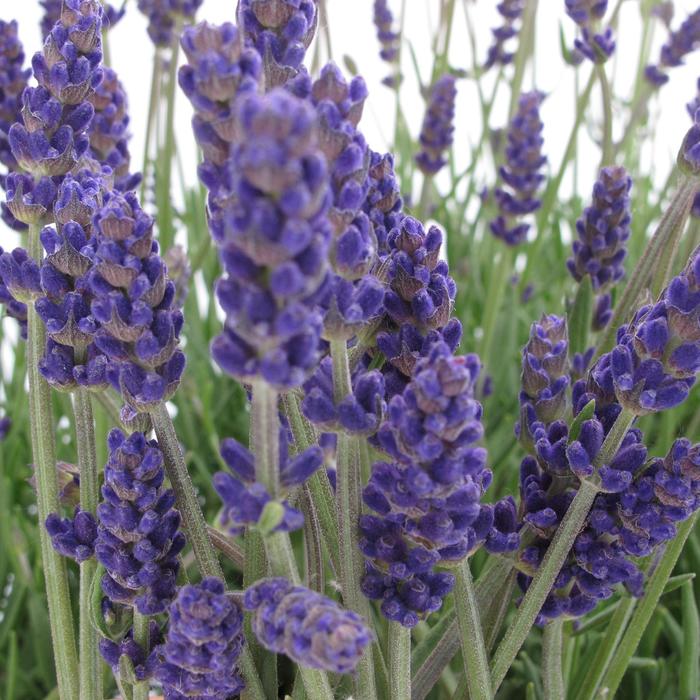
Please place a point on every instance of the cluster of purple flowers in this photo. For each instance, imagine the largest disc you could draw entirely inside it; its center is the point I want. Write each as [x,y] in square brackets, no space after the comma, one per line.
[244,499]
[498,54]
[306,626]
[520,174]
[597,46]
[204,641]
[681,42]
[427,498]
[437,133]
[13,80]
[52,14]
[164,16]
[280,31]
[603,231]
[389,39]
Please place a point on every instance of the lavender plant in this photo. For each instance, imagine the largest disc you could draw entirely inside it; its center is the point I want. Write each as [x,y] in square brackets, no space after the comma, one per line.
[293,425]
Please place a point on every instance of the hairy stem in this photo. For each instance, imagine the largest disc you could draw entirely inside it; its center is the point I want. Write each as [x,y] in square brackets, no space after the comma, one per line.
[90,679]
[43,430]
[141,637]
[552,678]
[399,661]
[476,660]
[607,156]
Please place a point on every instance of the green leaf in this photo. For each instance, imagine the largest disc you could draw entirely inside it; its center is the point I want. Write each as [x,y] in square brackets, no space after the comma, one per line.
[580,316]
[676,582]
[691,643]
[586,414]
[270,518]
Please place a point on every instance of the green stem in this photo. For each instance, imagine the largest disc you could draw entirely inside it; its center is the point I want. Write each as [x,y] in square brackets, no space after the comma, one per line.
[555,556]
[474,654]
[606,649]
[645,609]
[494,298]
[525,46]
[552,678]
[186,498]
[399,661]
[264,428]
[667,233]
[150,121]
[90,679]
[43,430]
[141,637]
[607,157]
[349,505]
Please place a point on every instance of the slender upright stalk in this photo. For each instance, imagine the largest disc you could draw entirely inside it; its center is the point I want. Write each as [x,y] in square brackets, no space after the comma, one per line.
[645,609]
[150,121]
[90,679]
[399,661]
[141,637]
[349,504]
[264,428]
[552,678]
[476,660]
[607,156]
[525,46]
[555,556]
[43,430]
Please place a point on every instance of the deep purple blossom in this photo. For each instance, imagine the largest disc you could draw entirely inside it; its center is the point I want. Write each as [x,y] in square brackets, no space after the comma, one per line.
[427,498]
[73,537]
[281,31]
[437,132]
[204,641]
[498,54]
[138,537]
[518,195]
[244,499]
[595,43]
[389,40]
[13,80]
[680,43]
[383,203]
[164,16]
[603,231]
[5,427]
[144,663]
[133,303]
[309,628]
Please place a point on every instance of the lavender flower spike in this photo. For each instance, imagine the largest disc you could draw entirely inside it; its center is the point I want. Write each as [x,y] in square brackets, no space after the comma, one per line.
[681,42]
[52,13]
[510,11]
[281,31]
[437,133]
[595,45]
[203,644]
[657,357]
[138,537]
[521,175]
[603,231]
[13,80]
[389,40]
[164,16]
[309,628]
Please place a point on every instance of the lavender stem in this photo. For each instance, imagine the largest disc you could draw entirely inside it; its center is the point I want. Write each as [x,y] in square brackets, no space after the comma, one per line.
[552,679]
[141,637]
[399,660]
[44,454]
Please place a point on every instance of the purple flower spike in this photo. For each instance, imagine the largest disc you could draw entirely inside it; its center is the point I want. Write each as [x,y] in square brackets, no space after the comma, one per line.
[274,243]
[281,31]
[437,133]
[521,176]
[20,275]
[657,357]
[138,537]
[13,80]
[164,15]
[510,11]
[428,497]
[383,204]
[681,42]
[144,664]
[203,644]
[52,14]
[73,537]
[309,628]
[596,45]
[389,40]
[603,231]
[244,499]
[133,304]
